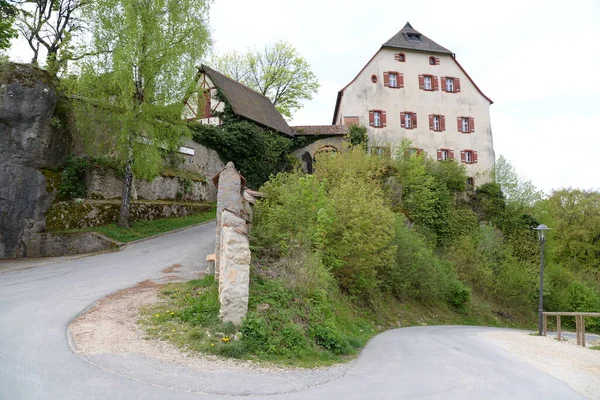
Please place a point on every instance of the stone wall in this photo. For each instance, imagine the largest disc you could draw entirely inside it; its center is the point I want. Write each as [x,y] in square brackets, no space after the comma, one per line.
[306,154]
[102,183]
[66,215]
[62,244]
[27,143]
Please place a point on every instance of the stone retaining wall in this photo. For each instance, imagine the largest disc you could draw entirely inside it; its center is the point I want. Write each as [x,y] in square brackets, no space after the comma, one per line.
[63,244]
[66,215]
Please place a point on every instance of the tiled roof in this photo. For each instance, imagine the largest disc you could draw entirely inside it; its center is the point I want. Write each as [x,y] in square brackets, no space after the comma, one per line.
[419,42]
[320,130]
[248,103]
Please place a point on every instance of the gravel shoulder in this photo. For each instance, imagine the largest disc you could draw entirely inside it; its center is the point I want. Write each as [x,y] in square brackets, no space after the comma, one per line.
[578,367]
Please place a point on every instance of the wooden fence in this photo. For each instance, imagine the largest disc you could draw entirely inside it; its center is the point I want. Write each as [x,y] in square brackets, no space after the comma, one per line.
[579,324]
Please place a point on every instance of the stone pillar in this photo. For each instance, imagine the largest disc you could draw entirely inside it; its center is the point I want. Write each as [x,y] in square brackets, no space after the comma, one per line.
[229,196]
[234,277]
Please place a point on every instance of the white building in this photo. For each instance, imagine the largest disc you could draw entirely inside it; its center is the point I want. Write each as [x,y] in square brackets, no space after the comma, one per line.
[414,88]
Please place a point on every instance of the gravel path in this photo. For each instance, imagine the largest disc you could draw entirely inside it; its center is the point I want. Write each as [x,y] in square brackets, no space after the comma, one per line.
[576,366]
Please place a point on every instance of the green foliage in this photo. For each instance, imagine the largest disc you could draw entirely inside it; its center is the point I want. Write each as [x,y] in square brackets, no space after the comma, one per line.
[72,182]
[357,136]
[281,325]
[280,73]
[419,274]
[575,216]
[257,153]
[517,189]
[8,12]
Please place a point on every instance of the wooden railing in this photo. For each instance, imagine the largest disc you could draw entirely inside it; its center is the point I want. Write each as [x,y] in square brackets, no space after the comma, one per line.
[579,324]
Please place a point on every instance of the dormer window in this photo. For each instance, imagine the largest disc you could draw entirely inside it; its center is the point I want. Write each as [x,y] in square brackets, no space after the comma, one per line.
[415,37]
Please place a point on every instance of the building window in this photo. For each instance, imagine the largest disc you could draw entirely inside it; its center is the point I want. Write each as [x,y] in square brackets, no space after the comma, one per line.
[374,78]
[466,124]
[468,156]
[401,57]
[206,106]
[377,118]
[428,82]
[437,123]
[414,37]
[445,154]
[413,151]
[434,61]
[408,120]
[381,151]
[470,182]
[393,80]
[450,85]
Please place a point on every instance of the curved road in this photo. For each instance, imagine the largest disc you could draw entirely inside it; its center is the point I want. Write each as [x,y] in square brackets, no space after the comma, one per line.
[36,361]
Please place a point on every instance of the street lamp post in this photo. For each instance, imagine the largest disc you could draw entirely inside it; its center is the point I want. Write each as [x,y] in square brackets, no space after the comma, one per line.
[541,230]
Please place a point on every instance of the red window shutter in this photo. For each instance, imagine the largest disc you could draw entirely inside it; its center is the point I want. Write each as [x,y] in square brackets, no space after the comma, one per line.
[414,120]
[397,56]
[439,155]
[463,158]
[451,154]
[421,82]
[383,119]
[431,122]
[207,109]
[459,123]
[400,80]
[442,123]
[371,118]
[435,83]
[386,79]
[402,115]
[456,85]
[472,124]
[443,82]
[437,61]
[474,156]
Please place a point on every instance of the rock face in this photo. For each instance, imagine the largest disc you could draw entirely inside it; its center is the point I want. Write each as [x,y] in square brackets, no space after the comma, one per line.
[27,143]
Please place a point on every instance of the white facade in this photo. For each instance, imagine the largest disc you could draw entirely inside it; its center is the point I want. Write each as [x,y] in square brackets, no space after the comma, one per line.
[368,93]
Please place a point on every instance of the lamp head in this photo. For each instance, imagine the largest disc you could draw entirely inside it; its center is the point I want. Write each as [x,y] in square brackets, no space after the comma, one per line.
[541,230]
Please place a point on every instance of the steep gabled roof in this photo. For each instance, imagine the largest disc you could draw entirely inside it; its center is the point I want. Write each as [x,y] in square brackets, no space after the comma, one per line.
[319,130]
[411,39]
[248,103]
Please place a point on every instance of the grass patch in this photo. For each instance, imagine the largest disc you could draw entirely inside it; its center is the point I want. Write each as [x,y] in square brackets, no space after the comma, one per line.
[595,347]
[143,229]
[281,326]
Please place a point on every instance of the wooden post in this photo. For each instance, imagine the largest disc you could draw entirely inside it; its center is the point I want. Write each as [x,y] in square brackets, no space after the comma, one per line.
[577,328]
[545,333]
[558,327]
[583,331]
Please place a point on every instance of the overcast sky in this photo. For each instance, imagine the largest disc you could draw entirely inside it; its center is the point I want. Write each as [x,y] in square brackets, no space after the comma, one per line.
[539,61]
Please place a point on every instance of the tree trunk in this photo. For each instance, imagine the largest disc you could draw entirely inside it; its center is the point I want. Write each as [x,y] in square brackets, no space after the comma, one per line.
[127,184]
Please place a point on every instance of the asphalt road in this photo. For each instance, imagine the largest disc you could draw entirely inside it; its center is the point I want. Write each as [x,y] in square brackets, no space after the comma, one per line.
[36,362]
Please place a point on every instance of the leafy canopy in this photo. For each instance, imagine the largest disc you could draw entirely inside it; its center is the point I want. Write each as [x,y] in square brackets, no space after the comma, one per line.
[8,13]
[279,72]
[146,53]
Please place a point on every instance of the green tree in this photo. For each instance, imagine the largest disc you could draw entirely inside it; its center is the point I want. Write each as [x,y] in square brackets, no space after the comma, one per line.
[516,189]
[147,52]
[8,12]
[279,72]
[576,235]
